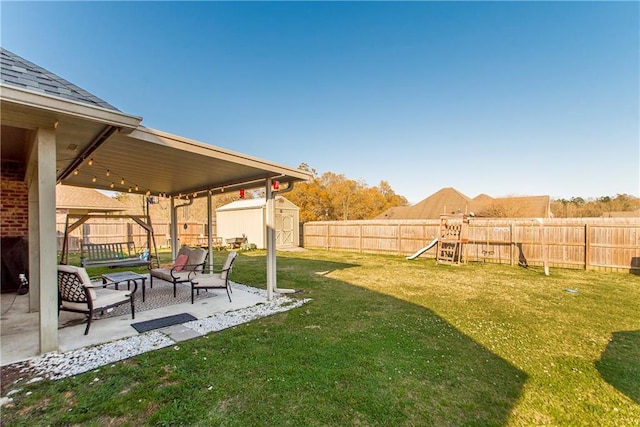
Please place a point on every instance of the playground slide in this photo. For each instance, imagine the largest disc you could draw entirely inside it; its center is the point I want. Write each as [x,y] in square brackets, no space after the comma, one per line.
[423,250]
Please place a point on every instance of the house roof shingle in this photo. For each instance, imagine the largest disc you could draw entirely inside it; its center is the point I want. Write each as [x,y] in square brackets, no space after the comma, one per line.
[85,199]
[18,72]
[449,200]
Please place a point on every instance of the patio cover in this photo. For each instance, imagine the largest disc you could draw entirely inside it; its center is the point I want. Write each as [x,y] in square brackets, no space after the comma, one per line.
[65,135]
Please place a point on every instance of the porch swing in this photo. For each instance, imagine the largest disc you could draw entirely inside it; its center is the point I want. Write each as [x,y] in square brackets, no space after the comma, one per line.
[113,255]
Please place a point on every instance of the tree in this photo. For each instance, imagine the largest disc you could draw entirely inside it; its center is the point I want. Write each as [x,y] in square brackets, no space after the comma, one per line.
[332,196]
[578,207]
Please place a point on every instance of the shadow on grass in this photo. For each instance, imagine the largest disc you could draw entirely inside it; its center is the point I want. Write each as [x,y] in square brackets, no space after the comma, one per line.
[385,361]
[350,356]
[619,364]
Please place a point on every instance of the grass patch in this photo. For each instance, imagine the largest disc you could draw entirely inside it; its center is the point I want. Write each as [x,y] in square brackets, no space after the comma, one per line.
[385,341]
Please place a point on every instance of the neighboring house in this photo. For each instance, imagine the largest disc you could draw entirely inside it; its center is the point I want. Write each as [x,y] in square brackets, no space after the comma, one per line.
[451,201]
[249,217]
[80,200]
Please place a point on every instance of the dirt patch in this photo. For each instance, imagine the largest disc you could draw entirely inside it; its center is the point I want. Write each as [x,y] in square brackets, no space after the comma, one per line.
[15,376]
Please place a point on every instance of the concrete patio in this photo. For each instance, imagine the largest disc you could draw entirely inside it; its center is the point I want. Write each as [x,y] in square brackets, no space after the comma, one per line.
[20,329]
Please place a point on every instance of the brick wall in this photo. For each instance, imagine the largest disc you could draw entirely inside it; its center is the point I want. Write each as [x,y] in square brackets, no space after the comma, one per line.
[14,200]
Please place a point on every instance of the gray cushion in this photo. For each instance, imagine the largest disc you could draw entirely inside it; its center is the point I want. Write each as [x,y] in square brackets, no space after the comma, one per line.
[197,256]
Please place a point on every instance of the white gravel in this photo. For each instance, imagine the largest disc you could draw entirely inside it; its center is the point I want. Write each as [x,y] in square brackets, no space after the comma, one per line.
[61,365]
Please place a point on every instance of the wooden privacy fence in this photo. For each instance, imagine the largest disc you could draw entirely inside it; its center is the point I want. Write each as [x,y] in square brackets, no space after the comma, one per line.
[113,231]
[610,244]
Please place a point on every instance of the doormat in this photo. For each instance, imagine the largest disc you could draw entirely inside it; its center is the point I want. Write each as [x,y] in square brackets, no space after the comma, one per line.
[163,322]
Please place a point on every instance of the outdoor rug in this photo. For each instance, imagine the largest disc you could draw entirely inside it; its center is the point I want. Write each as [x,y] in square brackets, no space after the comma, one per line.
[163,322]
[160,296]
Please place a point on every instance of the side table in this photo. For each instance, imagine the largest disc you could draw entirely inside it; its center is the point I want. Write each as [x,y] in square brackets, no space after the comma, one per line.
[127,277]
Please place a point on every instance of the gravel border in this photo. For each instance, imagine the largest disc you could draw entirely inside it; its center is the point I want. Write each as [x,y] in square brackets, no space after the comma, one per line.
[61,365]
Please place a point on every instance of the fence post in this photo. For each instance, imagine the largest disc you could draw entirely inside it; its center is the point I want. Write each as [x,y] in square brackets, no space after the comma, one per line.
[587,246]
[511,245]
[360,236]
[327,237]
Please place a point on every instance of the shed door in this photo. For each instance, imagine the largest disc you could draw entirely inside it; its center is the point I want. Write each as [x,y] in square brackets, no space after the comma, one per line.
[284,230]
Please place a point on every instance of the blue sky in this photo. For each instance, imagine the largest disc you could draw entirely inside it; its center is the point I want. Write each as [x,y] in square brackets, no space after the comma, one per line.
[501,98]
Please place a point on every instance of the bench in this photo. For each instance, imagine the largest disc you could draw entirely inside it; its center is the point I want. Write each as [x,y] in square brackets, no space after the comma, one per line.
[122,254]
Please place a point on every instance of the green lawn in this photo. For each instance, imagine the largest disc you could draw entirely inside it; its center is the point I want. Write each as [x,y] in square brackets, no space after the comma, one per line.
[387,342]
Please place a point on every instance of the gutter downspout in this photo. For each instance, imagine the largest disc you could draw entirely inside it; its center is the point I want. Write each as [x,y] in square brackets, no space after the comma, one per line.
[272,285]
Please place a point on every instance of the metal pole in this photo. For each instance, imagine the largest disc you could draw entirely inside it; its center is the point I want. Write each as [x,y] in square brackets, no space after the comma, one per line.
[271,250]
[209,230]
[174,229]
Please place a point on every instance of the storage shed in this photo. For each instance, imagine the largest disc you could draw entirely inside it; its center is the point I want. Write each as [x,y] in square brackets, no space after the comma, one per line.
[248,217]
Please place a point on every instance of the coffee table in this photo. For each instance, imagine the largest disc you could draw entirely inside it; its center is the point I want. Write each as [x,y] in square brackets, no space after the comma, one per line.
[127,277]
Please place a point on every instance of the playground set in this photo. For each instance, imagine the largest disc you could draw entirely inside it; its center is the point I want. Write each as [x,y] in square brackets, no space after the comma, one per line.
[451,241]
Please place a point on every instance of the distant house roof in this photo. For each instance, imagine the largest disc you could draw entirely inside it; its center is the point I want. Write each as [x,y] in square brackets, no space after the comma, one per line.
[17,71]
[85,200]
[449,200]
[445,201]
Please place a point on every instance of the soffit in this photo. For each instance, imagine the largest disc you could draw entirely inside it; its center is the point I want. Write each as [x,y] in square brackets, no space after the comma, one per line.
[167,164]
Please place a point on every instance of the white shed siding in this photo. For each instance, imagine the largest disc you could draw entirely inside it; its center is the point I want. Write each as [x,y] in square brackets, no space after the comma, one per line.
[235,223]
[249,217]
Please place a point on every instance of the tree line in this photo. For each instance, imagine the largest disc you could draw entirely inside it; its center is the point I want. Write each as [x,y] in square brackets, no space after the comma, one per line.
[577,207]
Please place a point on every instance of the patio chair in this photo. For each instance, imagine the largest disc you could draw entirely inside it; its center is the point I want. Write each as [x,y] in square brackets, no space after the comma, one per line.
[215,281]
[77,294]
[189,262]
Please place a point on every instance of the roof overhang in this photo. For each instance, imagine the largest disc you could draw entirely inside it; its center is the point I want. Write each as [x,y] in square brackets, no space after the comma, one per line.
[109,150]
[21,101]
[149,160]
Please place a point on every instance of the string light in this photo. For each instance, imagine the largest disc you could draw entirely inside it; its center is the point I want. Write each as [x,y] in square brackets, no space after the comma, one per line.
[122,181]
[112,185]
[108,172]
[75,172]
[90,162]
[137,189]
[129,189]
[94,179]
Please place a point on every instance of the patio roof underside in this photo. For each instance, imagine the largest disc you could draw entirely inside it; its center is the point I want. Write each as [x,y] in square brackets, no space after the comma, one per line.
[166,164]
[140,157]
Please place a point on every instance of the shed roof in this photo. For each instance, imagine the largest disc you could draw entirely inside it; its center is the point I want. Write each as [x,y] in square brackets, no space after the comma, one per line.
[254,204]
